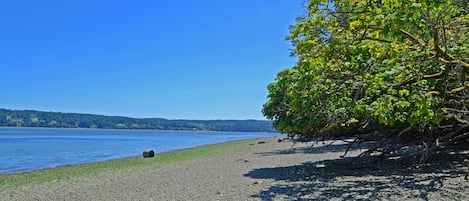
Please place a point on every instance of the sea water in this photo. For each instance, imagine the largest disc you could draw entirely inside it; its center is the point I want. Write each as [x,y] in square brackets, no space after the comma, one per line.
[26,149]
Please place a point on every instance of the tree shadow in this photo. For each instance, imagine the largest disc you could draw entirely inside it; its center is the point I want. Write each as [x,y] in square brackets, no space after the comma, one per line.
[340,180]
[319,148]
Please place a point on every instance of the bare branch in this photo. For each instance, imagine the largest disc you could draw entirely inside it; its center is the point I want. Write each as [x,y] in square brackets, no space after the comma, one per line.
[379,39]
[458,111]
[455,62]
[425,77]
[350,146]
[411,37]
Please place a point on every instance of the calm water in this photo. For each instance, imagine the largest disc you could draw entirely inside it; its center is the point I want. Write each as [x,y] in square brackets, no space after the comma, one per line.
[26,149]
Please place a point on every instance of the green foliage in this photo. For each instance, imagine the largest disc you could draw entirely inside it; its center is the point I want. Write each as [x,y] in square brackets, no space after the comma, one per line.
[373,65]
[30,118]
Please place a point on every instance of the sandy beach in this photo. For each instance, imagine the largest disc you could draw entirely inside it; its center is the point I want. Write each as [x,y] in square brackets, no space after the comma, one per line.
[266,169]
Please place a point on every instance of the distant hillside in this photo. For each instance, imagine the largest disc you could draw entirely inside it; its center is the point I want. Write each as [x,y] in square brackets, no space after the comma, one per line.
[31,118]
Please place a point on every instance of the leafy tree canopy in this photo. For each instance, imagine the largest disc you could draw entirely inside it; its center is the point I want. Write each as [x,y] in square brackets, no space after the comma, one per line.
[399,66]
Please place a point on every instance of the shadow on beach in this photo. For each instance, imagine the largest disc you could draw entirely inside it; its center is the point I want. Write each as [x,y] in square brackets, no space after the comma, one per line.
[318,148]
[338,179]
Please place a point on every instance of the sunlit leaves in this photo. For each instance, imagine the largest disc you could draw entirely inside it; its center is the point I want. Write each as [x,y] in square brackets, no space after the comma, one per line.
[376,63]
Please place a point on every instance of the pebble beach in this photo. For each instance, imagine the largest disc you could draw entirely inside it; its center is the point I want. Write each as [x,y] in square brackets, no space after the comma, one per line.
[265,169]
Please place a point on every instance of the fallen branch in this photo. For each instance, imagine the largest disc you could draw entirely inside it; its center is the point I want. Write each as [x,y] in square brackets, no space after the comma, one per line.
[350,146]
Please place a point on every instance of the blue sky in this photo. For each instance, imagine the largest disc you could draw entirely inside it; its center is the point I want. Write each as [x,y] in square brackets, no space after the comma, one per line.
[199,59]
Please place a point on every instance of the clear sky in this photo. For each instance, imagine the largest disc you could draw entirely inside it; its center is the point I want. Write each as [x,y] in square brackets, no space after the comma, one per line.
[194,59]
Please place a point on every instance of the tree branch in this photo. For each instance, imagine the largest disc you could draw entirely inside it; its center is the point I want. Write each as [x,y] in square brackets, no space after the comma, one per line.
[378,39]
[411,37]
[458,111]
[425,77]
[456,62]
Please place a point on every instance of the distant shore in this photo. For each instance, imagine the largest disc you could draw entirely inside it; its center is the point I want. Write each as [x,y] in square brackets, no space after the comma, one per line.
[254,169]
[33,118]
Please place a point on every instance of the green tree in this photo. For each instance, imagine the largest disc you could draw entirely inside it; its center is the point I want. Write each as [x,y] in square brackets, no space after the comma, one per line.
[378,65]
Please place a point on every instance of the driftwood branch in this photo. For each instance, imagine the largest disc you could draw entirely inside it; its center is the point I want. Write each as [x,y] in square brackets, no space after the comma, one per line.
[350,146]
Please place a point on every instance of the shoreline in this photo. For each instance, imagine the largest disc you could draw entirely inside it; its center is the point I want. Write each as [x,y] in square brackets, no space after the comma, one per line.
[41,156]
[125,162]
[126,158]
[252,169]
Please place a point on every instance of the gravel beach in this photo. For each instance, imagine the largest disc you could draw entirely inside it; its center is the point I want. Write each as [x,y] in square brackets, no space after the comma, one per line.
[267,170]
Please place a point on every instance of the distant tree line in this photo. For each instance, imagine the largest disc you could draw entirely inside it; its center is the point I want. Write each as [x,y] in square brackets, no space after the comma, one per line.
[31,118]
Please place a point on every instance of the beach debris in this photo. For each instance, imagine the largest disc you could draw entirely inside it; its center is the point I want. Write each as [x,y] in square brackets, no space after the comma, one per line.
[279,140]
[258,182]
[320,166]
[148,153]
[261,142]
[467,173]
[242,160]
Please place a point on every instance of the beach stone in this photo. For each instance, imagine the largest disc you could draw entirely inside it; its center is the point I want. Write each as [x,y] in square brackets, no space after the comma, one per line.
[258,182]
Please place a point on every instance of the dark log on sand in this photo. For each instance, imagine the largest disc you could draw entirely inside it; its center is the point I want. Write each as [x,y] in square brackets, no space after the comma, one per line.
[148,153]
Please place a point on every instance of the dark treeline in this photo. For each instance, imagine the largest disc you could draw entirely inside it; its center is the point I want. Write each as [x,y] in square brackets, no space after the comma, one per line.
[31,118]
